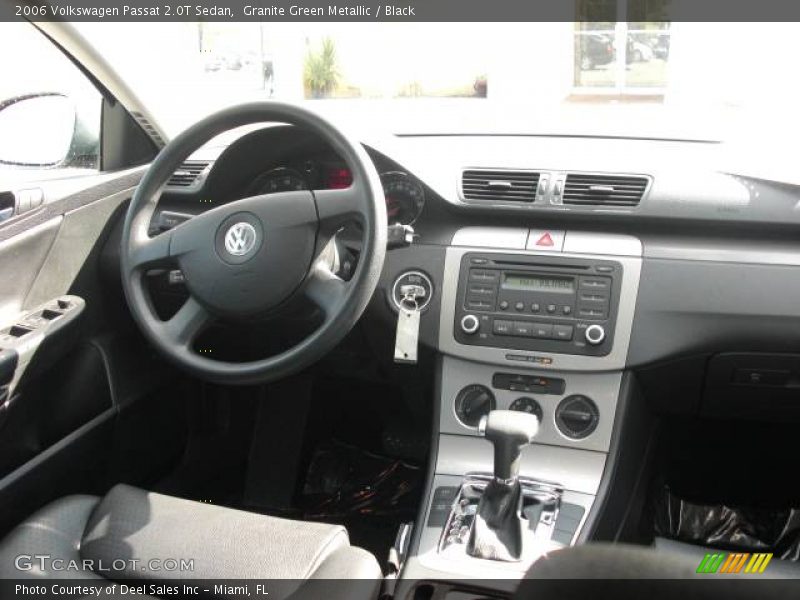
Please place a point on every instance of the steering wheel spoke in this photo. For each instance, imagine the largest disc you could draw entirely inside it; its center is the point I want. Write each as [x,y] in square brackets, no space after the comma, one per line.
[338,207]
[150,252]
[325,289]
[186,324]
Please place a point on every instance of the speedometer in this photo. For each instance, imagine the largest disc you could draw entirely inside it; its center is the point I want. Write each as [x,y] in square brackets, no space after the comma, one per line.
[281,179]
[405,198]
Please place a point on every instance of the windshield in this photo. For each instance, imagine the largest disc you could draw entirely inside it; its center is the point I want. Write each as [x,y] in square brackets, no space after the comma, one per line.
[699,81]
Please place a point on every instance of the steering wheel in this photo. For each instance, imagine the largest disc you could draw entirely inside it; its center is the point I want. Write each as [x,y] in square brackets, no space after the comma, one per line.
[249,257]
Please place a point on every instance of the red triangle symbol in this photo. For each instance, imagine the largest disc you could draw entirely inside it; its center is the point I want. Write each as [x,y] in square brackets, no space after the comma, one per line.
[545,240]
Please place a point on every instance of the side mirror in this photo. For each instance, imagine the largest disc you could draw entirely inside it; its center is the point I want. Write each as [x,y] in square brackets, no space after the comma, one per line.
[37,130]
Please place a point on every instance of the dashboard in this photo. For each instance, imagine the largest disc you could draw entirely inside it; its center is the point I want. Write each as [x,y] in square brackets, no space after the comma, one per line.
[572,278]
[714,253]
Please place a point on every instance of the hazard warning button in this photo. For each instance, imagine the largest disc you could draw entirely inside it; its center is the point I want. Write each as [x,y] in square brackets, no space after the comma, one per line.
[548,240]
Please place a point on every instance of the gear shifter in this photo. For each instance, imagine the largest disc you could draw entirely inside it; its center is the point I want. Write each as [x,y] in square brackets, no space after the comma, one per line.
[496,532]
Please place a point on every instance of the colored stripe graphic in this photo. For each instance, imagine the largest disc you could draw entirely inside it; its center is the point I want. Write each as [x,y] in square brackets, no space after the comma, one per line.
[758,563]
[734,562]
[710,563]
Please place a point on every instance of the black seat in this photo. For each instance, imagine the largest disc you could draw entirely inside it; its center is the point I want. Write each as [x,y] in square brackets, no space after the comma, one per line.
[130,529]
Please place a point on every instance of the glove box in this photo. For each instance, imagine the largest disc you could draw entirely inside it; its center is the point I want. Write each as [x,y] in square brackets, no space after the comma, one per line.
[752,386]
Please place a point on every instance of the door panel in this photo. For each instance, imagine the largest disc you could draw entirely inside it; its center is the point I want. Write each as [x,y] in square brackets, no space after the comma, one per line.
[77,234]
[21,258]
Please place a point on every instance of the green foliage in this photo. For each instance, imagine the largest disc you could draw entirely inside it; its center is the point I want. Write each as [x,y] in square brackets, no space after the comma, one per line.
[320,72]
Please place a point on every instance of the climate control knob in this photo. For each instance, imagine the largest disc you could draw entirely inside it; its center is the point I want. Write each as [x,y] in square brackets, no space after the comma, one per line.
[595,334]
[470,324]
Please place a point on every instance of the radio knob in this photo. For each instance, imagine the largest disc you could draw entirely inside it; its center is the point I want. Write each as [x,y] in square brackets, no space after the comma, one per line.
[595,334]
[470,324]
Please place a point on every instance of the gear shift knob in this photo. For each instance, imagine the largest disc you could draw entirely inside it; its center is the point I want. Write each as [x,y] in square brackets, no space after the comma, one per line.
[509,431]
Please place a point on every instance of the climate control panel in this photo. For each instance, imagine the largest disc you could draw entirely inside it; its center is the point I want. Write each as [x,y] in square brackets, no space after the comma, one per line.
[537,303]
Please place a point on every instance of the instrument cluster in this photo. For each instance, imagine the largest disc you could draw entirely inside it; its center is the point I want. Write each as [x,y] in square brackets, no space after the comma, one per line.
[405,196]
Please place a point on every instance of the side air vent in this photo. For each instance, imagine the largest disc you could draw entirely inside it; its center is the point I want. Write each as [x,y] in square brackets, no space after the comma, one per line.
[586,189]
[187,173]
[499,186]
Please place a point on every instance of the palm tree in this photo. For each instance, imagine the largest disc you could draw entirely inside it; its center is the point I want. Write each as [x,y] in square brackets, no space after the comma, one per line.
[320,73]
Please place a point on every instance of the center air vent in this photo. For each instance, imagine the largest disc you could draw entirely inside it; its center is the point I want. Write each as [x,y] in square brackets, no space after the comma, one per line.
[499,186]
[588,189]
[187,173]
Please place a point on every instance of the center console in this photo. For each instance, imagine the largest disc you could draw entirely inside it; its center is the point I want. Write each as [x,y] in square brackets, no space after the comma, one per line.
[534,331]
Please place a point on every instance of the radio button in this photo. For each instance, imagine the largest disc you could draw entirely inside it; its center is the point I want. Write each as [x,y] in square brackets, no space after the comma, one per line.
[470,324]
[562,332]
[522,329]
[484,275]
[595,283]
[482,290]
[479,304]
[542,331]
[502,327]
[595,334]
[594,297]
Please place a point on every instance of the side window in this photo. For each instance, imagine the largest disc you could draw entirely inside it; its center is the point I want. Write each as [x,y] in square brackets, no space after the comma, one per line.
[49,111]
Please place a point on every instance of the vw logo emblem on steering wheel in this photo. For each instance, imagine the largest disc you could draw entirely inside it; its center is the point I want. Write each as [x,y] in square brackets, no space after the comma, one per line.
[240,238]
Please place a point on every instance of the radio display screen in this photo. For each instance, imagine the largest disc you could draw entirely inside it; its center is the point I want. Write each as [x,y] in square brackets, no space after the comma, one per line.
[538,283]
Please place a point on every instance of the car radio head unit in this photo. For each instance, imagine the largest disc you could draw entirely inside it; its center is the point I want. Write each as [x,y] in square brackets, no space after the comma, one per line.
[537,303]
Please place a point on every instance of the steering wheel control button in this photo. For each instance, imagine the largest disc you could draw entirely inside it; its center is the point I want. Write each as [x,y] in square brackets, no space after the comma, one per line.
[412,284]
[528,405]
[473,403]
[239,238]
[595,334]
[577,416]
[470,324]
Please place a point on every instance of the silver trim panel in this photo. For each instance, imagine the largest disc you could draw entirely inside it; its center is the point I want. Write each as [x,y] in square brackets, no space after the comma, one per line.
[492,237]
[602,388]
[465,567]
[574,469]
[581,242]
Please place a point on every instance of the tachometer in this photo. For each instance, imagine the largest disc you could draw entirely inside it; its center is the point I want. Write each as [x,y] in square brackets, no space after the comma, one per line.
[405,197]
[281,179]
